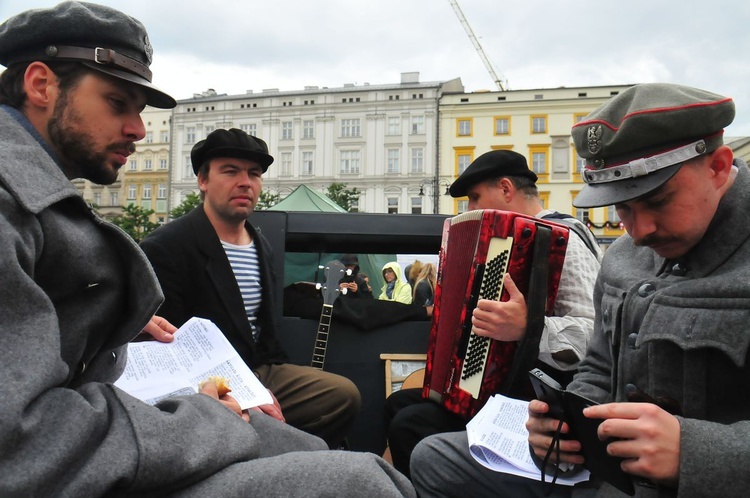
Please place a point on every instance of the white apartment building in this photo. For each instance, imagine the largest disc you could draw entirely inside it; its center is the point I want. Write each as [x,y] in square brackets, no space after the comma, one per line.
[380,139]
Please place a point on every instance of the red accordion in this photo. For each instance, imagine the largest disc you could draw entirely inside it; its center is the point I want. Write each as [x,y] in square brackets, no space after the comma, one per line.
[478,248]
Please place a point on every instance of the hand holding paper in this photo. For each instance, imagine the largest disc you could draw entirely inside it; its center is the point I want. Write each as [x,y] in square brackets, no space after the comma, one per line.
[157,370]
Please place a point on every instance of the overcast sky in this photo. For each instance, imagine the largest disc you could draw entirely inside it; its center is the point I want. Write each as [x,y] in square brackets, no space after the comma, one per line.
[238,45]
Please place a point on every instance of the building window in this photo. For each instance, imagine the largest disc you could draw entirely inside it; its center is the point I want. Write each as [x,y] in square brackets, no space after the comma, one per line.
[133,165]
[350,128]
[162,164]
[462,206]
[207,130]
[416,205]
[580,165]
[286,163]
[307,163]
[250,129]
[463,162]
[165,136]
[394,125]
[417,125]
[187,168]
[190,135]
[539,162]
[147,165]
[612,215]
[354,205]
[132,191]
[97,198]
[578,117]
[308,129]
[162,191]
[502,126]
[464,127]
[417,160]
[113,198]
[392,205]
[146,191]
[538,124]
[583,216]
[392,166]
[349,161]
[149,137]
[286,130]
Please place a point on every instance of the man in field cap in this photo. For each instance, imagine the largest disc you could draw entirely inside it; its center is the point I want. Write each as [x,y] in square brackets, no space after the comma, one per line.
[672,298]
[75,290]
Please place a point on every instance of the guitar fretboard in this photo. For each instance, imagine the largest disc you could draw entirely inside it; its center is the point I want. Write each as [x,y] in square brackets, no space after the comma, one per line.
[321,340]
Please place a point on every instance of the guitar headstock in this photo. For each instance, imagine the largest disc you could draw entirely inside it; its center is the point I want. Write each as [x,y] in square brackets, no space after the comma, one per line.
[334,271]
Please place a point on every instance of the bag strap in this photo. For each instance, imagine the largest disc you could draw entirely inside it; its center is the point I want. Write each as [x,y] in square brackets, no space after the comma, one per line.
[536,304]
[579,229]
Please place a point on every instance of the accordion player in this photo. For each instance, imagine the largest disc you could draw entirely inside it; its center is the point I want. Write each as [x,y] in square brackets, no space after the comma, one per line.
[478,248]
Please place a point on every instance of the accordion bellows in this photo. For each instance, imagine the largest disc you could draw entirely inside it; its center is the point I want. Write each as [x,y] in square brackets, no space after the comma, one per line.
[478,248]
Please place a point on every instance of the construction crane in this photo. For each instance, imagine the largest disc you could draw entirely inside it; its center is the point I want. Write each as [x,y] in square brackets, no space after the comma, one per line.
[477,46]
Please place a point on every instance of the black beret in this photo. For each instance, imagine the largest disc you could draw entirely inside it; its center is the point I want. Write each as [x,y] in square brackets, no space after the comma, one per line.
[638,140]
[493,164]
[100,37]
[349,259]
[230,143]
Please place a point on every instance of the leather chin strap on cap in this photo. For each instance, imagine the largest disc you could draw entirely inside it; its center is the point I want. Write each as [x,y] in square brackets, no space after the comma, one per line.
[644,166]
[103,56]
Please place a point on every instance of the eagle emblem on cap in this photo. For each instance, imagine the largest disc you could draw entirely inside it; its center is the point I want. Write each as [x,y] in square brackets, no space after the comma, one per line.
[148,49]
[594,139]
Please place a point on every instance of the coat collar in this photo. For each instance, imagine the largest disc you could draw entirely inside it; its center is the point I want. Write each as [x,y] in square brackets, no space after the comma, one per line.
[37,181]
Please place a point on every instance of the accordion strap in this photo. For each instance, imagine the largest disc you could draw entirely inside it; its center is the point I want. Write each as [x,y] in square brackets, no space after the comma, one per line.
[536,302]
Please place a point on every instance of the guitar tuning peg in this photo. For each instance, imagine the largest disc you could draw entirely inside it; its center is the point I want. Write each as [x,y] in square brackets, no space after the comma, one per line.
[344,290]
[320,267]
[348,272]
[318,286]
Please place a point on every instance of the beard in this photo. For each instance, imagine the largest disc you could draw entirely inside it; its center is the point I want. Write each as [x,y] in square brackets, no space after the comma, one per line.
[76,150]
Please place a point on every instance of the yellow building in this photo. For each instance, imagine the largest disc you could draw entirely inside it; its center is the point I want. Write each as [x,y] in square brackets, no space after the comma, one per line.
[535,123]
[145,177]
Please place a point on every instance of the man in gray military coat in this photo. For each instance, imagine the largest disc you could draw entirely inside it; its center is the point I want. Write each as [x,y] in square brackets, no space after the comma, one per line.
[668,361]
[75,290]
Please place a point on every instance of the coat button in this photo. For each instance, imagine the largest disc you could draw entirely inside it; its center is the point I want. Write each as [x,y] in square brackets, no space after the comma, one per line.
[605,316]
[114,357]
[646,290]
[679,270]
[81,368]
[632,338]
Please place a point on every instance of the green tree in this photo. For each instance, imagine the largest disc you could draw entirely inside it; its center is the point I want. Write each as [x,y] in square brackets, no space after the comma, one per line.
[136,221]
[188,204]
[343,196]
[266,200]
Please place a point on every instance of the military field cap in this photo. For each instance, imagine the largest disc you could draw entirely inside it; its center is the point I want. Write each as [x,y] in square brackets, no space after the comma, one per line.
[493,164]
[230,143]
[640,138]
[100,37]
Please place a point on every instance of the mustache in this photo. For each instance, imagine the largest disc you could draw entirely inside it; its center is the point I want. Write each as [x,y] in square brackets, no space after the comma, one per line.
[651,240]
[129,146]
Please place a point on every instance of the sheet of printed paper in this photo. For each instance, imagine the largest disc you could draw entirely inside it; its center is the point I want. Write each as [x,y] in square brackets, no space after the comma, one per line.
[157,370]
[498,440]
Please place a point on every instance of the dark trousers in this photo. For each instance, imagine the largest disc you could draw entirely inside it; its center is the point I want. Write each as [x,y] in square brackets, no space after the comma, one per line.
[409,418]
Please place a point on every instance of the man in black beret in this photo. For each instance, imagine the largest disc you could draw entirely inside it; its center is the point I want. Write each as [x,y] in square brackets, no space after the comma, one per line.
[213,263]
[501,179]
[75,290]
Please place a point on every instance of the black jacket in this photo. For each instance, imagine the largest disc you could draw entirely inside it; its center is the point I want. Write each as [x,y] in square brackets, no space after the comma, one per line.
[197,280]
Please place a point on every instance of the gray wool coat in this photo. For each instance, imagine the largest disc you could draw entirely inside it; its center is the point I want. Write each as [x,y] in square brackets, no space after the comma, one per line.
[681,330]
[73,291]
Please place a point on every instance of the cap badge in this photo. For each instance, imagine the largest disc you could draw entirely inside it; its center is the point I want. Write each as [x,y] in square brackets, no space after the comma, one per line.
[148,49]
[594,139]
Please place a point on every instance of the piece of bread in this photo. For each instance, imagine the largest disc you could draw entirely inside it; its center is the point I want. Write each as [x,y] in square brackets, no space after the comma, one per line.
[222,384]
